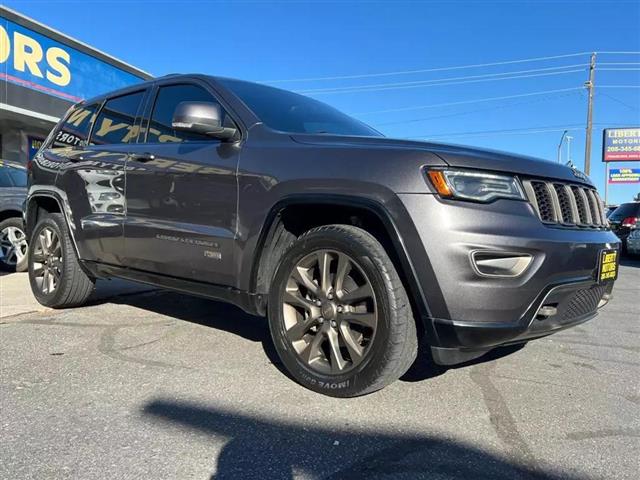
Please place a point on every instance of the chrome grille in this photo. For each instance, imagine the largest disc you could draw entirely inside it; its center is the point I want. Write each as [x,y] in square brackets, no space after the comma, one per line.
[566,204]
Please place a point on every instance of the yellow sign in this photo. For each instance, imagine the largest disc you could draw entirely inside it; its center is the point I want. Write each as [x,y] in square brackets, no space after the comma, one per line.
[608,265]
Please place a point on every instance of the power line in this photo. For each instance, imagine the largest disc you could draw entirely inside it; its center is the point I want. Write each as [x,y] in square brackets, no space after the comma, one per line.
[554,128]
[426,70]
[424,85]
[636,107]
[466,102]
[513,131]
[438,80]
[618,53]
[618,63]
[618,86]
[619,69]
[468,112]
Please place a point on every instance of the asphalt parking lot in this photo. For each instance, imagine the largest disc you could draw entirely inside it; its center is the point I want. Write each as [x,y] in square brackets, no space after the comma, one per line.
[151,384]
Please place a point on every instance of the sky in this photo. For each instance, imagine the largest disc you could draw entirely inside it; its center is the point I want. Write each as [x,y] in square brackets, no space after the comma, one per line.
[390,50]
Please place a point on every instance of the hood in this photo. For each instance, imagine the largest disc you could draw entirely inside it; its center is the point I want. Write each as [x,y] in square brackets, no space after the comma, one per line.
[458,156]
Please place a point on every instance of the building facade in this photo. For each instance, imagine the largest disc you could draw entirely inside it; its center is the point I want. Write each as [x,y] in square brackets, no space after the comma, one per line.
[42,73]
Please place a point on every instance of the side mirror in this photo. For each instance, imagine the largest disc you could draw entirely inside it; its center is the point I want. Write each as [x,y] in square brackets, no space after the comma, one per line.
[204,118]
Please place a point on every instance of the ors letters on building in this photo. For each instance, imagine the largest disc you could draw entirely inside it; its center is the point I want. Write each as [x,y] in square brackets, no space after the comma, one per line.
[27,55]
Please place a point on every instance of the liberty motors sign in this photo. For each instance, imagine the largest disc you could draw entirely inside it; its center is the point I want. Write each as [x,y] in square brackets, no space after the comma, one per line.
[621,144]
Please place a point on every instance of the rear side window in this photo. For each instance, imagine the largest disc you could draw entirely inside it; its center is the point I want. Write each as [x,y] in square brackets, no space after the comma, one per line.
[13,177]
[74,131]
[626,210]
[165,105]
[116,121]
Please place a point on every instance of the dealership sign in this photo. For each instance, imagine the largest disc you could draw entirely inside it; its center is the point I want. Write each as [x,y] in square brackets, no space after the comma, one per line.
[621,144]
[624,175]
[35,61]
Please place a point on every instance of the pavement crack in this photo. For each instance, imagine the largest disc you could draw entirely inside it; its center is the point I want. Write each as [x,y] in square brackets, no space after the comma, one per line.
[107,346]
[604,433]
[500,416]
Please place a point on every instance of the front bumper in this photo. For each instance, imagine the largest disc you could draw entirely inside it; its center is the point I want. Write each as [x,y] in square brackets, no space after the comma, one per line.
[470,311]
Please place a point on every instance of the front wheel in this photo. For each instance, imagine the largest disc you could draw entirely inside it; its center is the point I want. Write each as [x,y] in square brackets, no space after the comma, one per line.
[339,315]
[57,281]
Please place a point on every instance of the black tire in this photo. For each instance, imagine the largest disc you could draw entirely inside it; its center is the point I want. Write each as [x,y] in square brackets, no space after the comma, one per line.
[393,347]
[73,286]
[18,260]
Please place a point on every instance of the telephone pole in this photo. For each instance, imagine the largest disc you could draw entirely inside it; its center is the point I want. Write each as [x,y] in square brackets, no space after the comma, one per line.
[590,85]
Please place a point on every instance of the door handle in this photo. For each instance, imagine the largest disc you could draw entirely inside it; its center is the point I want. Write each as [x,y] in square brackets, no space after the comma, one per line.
[142,157]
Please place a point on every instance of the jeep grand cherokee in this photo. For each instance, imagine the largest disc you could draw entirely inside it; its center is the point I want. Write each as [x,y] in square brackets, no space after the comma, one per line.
[354,245]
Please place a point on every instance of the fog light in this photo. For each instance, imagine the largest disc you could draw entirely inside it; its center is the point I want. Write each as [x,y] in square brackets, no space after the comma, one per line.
[546,311]
[500,264]
[604,300]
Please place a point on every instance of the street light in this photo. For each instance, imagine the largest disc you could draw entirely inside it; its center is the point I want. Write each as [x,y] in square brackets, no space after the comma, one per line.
[569,162]
[560,146]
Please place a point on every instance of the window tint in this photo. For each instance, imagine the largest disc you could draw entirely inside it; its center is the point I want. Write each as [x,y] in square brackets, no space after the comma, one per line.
[73,132]
[116,120]
[167,100]
[290,112]
[626,210]
[5,179]
[18,177]
[12,176]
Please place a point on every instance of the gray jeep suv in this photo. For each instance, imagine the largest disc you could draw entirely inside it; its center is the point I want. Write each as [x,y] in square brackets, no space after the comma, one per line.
[354,245]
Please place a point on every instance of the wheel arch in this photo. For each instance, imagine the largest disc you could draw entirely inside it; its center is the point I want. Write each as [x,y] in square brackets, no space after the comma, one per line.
[10,213]
[369,214]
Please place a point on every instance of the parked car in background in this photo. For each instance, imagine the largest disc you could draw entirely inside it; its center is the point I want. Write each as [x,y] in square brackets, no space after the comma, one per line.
[13,242]
[624,220]
[633,242]
[608,210]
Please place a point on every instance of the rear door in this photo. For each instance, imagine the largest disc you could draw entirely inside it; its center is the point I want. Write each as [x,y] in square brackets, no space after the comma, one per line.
[92,175]
[181,194]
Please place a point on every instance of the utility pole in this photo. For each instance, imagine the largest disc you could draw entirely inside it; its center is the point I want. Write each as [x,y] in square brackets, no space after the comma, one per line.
[590,85]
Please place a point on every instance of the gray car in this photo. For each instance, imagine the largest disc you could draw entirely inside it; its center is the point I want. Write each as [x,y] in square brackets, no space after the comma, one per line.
[13,241]
[355,246]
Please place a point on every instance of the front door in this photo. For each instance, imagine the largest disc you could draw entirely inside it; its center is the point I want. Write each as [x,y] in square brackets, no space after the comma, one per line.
[181,196]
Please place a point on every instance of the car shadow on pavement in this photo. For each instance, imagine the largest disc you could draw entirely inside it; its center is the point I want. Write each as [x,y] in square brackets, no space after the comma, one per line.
[229,318]
[425,368]
[208,313]
[260,448]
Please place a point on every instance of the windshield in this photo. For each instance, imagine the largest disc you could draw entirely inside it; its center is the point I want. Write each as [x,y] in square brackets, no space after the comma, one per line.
[293,113]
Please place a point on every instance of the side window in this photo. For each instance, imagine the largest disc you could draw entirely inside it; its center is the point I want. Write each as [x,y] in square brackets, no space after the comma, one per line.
[116,120]
[5,179]
[74,131]
[166,102]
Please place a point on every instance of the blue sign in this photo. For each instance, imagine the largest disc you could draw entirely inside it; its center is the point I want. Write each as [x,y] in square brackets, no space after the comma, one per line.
[38,62]
[624,175]
[34,145]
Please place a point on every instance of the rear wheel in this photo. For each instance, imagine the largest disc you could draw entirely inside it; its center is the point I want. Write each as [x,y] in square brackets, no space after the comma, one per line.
[13,245]
[56,278]
[339,315]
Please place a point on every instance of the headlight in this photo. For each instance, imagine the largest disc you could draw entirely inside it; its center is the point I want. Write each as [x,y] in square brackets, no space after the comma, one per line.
[476,186]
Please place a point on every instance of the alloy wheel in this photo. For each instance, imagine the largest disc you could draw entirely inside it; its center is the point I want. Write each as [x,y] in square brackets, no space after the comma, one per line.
[330,312]
[13,245]
[47,260]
